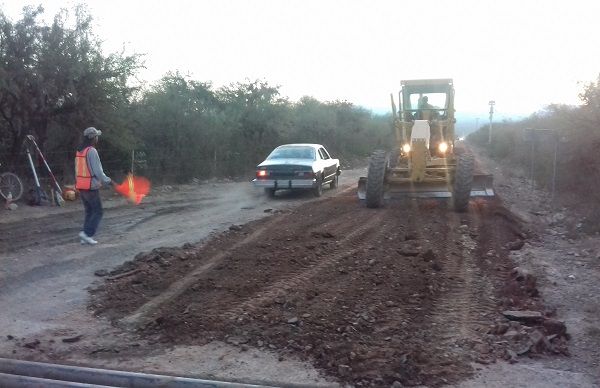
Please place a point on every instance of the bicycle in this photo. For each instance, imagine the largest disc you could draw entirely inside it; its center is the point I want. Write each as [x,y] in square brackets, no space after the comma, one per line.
[10,184]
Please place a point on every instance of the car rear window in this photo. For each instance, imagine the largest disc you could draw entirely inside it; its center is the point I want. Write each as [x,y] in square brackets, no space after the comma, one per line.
[293,153]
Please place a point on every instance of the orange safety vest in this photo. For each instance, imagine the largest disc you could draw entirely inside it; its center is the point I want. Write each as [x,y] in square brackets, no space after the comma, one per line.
[83,176]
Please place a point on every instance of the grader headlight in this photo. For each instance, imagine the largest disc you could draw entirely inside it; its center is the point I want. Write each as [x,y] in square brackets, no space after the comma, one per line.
[406,148]
[443,147]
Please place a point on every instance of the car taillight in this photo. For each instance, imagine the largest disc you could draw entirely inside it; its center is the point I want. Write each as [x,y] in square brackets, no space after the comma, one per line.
[261,173]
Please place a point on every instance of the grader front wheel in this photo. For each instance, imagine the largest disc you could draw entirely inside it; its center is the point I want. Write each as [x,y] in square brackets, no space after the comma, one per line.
[375,179]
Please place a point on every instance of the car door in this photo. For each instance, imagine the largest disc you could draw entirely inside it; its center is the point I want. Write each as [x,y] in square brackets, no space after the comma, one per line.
[329,168]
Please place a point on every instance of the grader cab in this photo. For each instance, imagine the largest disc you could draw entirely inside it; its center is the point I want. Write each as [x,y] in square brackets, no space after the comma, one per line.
[426,161]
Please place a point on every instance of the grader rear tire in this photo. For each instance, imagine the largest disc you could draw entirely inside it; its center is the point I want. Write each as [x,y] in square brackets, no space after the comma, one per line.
[375,179]
[463,180]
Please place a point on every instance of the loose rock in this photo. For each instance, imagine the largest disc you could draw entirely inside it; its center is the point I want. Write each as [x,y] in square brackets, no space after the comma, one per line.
[72,339]
[554,326]
[524,316]
[511,356]
[429,255]
[235,340]
[539,342]
[515,245]
[101,273]
[32,344]
[344,370]
[409,251]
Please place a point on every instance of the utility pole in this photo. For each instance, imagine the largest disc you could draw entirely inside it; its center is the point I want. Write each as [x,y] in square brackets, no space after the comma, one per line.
[492,103]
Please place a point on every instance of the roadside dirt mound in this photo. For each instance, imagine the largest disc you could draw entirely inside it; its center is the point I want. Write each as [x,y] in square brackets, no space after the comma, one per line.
[411,292]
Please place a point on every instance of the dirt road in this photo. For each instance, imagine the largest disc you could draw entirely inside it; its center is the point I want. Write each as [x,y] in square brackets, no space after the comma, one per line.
[319,293]
[372,296]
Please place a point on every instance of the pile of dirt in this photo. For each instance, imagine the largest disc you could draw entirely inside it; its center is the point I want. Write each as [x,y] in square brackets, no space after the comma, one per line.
[527,328]
[411,293]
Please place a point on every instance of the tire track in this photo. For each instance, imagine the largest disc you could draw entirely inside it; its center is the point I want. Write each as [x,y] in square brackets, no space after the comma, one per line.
[295,279]
[460,311]
[140,316]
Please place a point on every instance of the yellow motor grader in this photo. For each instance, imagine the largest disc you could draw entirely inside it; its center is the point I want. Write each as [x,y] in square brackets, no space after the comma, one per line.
[426,161]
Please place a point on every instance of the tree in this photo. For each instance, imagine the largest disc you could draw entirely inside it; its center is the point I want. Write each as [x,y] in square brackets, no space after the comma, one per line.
[56,78]
[591,103]
[177,123]
[260,117]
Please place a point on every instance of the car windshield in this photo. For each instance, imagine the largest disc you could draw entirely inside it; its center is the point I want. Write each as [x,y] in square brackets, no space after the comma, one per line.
[293,153]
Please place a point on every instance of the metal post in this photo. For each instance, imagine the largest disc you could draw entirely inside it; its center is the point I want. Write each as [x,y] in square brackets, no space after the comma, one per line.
[492,103]
[132,161]
[532,161]
[215,162]
[35,177]
[554,168]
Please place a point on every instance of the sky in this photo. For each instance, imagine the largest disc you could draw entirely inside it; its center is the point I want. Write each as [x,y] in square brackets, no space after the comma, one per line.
[522,54]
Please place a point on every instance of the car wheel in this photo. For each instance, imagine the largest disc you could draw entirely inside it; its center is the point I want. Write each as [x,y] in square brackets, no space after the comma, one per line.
[334,182]
[270,192]
[318,189]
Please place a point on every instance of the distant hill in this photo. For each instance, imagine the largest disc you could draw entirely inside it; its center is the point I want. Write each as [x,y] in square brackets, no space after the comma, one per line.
[467,123]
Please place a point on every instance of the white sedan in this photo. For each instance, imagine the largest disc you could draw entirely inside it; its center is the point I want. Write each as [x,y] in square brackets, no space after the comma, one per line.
[298,166]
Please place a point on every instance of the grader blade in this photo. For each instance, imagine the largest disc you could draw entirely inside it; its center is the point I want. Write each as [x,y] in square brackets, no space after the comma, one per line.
[483,186]
[408,190]
[362,188]
[420,190]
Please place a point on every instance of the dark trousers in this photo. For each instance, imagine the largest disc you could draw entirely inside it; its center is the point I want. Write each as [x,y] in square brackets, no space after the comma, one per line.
[93,210]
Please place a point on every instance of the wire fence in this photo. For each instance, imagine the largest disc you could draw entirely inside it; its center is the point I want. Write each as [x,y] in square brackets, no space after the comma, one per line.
[186,169]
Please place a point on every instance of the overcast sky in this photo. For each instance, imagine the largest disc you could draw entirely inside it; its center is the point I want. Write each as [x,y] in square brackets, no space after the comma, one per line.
[523,54]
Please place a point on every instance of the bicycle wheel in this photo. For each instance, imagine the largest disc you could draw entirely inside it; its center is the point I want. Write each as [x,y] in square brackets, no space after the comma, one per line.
[10,183]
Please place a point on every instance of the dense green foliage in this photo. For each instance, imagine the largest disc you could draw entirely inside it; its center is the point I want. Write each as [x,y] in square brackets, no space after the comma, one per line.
[578,133]
[55,81]
[187,129]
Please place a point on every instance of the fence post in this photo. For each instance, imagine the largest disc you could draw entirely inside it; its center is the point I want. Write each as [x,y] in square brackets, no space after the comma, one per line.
[532,163]
[554,169]
[215,162]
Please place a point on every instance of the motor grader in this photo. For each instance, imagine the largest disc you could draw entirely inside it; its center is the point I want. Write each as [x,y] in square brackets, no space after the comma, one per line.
[426,161]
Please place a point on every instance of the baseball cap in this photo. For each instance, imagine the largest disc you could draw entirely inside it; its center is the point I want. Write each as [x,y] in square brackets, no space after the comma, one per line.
[91,132]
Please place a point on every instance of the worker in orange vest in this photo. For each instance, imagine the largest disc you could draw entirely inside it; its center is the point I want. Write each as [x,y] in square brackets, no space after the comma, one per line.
[89,177]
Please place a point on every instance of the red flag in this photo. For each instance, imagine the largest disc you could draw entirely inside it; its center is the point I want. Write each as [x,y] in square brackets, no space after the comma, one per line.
[134,188]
